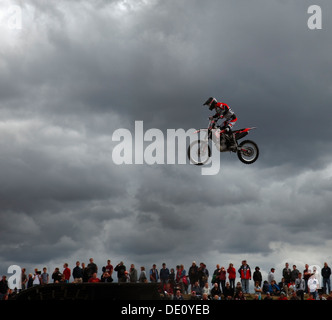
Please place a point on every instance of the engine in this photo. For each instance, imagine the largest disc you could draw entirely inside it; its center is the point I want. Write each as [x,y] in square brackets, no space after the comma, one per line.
[219,140]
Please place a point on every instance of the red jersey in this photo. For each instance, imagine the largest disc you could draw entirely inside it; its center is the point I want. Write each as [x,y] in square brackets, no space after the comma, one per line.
[231,273]
[67,273]
[223,111]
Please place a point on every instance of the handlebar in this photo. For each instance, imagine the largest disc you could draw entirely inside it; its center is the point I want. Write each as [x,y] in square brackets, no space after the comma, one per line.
[212,124]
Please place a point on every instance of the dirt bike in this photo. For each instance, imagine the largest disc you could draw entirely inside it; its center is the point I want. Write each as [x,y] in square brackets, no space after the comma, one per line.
[199,152]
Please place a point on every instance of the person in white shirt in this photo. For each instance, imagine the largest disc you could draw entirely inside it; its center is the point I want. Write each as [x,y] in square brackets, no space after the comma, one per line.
[36,278]
[206,289]
[271,276]
[313,285]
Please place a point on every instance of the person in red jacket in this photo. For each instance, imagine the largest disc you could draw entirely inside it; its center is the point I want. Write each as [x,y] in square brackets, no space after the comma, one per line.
[66,272]
[231,275]
[222,278]
[245,275]
[223,111]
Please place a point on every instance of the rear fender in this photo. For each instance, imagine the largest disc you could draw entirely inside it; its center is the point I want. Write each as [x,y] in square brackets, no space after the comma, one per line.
[239,134]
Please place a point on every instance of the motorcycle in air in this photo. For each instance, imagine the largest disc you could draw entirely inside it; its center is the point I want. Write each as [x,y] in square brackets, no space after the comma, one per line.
[199,152]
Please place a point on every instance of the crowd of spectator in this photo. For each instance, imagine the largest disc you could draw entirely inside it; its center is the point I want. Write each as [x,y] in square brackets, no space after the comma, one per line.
[196,284]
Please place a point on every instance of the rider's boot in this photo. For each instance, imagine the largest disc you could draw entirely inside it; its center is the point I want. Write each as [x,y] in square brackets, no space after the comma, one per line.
[230,140]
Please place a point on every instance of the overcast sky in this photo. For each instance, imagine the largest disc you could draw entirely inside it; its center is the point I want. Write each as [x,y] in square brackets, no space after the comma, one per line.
[78,70]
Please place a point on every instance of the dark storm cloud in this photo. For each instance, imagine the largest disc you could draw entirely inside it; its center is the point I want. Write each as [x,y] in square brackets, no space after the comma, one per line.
[45,163]
[78,71]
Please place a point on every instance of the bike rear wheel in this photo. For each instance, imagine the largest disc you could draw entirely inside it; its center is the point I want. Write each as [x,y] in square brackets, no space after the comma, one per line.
[248,152]
[199,152]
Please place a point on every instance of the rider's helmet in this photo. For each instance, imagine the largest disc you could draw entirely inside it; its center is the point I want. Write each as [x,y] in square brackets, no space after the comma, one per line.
[211,102]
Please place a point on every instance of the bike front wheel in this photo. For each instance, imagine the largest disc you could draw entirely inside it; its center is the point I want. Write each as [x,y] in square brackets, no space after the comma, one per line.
[248,152]
[199,152]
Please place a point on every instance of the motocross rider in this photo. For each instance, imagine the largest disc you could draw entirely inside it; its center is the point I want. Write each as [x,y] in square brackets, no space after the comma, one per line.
[223,111]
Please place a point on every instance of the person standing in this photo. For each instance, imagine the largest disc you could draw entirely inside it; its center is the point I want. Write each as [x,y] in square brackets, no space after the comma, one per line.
[3,287]
[313,285]
[181,278]
[24,279]
[216,275]
[171,278]
[222,278]
[56,275]
[120,269]
[36,278]
[257,276]
[133,274]
[91,268]
[306,275]
[286,273]
[300,286]
[203,274]
[231,275]
[271,276]
[164,275]
[78,273]
[326,274]
[30,281]
[86,273]
[294,273]
[66,272]
[193,273]
[154,275]
[142,277]
[245,275]
[44,277]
